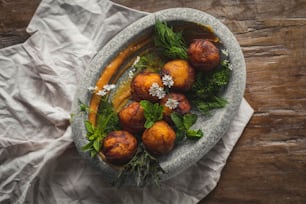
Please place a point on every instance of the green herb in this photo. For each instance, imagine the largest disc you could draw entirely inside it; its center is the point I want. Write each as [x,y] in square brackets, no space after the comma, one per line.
[152,112]
[207,86]
[183,124]
[150,61]
[83,109]
[172,44]
[213,103]
[107,121]
[143,167]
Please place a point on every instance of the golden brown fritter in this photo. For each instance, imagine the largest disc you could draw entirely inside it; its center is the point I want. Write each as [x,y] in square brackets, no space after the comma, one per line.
[183,106]
[159,139]
[119,147]
[182,74]
[141,85]
[203,54]
[132,118]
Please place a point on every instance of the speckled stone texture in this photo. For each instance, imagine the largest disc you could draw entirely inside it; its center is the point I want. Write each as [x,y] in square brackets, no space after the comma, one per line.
[214,126]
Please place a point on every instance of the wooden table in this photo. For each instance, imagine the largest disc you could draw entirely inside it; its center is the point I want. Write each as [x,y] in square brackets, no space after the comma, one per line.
[268,165]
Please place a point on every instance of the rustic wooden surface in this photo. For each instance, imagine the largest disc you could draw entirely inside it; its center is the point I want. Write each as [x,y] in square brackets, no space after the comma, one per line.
[268,165]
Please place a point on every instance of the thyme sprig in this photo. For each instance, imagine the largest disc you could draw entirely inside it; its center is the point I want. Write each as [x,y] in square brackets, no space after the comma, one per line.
[143,168]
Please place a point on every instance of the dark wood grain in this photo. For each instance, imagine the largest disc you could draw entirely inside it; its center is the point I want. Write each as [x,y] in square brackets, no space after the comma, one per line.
[268,164]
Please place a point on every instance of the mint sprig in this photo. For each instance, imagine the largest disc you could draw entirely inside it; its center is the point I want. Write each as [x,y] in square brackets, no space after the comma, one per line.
[152,112]
[183,124]
[107,121]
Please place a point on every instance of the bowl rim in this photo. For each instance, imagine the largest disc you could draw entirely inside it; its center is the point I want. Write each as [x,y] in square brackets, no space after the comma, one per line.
[218,123]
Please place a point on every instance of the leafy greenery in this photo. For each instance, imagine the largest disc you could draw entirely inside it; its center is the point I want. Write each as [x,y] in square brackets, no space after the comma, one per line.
[207,86]
[183,124]
[172,44]
[143,167]
[107,121]
[150,61]
[215,102]
[152,112]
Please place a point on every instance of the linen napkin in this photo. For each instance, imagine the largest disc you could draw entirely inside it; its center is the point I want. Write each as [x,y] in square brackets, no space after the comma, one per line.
[38,80]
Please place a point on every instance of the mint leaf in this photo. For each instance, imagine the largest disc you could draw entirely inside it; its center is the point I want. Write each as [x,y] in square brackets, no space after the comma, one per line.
[89,127]
[97,144]
[87,147]
[177,120]
[148,124]
[189,120]
[183,124]
[194,134]
[152,112]
[93,154]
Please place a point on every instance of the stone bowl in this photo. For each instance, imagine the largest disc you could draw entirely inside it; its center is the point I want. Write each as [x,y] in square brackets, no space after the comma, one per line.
[214,126]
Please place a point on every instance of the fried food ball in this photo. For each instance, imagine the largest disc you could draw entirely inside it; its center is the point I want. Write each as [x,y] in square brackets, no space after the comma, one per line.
[182,107]
[159,139]
[141,85]
[132,118]
[182,73]
[119,147]
[203,54]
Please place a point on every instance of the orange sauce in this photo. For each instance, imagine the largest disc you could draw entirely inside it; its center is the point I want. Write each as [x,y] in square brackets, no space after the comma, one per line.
[109,71]
[122,96]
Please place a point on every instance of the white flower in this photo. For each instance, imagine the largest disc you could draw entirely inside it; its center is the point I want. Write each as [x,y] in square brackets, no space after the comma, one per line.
[161,93]
[156,90]
[102,92]
[230,66]
[172,103]
[92,89]
[224,51]
[167,80]
[109,87]
[131,73]
[106,88]
[153,89]
[136,61]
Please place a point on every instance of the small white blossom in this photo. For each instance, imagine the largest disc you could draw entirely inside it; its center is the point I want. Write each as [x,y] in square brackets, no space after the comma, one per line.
[168,80]
[153,89]
[136,61]
[224,51]
[172,103]
[109,87]
[131,73]
[106,88]
[156,90]
[92,89]
[230,66]
[101,92]
[161,93]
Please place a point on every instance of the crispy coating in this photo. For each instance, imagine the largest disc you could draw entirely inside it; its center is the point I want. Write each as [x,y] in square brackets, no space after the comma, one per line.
[141,84]
[132,118]
[203,54]
[159,139]
[182,74]
[119,147]
[183,106]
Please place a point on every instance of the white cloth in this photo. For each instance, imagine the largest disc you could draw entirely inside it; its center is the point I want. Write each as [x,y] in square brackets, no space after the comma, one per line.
[38,79]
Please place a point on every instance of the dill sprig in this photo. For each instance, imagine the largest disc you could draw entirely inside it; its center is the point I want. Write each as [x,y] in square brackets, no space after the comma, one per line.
[171,43]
